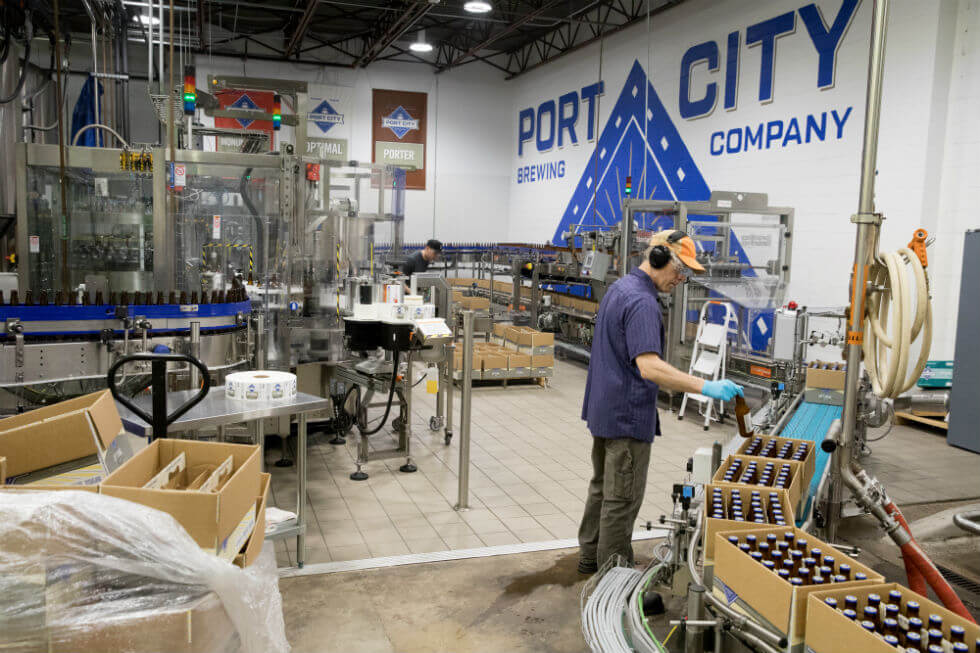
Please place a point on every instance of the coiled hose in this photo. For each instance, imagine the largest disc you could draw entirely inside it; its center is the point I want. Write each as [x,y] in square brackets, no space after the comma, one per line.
[886,355]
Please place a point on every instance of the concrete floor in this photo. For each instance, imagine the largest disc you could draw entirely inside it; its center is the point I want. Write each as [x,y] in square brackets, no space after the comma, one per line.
[530,601]
[516,603]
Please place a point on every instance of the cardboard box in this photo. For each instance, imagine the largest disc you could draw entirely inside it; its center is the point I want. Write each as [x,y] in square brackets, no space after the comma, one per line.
[712,525]
[809,461]
[494,365]
[746,585]
[824,396]
[829,631]
[527,337]
[795,488]
[201,628]
[543,360]
[66,431]
[517,360]
[831,378]
[3,470]
[208,517]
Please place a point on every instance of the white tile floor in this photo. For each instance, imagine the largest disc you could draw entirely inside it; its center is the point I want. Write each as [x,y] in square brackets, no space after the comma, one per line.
[529,472]
[530,469]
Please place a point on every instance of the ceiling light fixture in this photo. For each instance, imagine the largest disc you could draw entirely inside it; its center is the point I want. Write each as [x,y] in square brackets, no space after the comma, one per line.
[420,44]
[477,7]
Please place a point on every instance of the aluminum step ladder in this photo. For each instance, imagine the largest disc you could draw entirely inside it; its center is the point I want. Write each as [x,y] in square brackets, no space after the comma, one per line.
[709,358]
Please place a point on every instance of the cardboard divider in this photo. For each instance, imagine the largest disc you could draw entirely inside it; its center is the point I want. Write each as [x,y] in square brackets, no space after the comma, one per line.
[809,461]
[796,488]
[208,517]
[744,583]
[712,525]
[829,631]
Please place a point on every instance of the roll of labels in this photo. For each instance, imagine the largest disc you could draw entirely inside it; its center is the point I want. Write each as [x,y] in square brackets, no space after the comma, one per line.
[261,385]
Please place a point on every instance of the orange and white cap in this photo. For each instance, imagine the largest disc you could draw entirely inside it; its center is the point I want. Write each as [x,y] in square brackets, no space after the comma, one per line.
[681,245]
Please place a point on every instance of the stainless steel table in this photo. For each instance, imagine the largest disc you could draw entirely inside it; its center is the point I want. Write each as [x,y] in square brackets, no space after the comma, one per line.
[216,410]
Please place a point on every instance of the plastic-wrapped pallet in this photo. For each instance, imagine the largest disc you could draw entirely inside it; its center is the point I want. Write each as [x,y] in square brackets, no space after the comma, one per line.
[84,572]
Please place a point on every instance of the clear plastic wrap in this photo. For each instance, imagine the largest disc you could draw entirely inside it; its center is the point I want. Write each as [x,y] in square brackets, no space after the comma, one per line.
[83,572]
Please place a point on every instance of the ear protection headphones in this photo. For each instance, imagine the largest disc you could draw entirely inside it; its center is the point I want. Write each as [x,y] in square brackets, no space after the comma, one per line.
[660,255]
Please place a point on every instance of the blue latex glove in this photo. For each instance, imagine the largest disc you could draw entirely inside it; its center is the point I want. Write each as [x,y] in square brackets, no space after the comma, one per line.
[724,390]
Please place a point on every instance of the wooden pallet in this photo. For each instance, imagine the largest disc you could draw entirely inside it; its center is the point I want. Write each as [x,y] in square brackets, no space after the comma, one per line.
[935,421]
[524,381]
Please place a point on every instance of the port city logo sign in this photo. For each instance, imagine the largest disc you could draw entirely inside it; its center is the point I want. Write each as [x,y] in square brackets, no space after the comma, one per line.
[639,139]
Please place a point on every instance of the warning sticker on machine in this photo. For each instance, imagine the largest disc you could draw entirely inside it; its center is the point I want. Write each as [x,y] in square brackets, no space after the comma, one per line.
[216,227]
[34,244]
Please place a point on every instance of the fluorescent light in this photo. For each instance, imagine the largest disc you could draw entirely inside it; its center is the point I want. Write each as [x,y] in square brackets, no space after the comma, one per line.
[420,44]
[146,20]
[477,7]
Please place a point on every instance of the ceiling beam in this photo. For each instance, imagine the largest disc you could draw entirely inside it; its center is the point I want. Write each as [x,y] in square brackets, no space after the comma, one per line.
[301,26]
[513,27]
[403,23]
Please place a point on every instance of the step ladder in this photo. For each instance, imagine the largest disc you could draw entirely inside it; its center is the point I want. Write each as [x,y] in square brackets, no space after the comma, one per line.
[708,359]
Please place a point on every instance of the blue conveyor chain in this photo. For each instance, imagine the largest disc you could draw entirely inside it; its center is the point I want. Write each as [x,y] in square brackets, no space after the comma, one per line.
[810,422]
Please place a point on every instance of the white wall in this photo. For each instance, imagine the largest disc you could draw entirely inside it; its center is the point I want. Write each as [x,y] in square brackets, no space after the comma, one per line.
[927,157]
[468,153]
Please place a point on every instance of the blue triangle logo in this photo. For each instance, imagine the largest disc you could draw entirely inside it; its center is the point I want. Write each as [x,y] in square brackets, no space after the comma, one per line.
[247,104]
[639,140]
[400,122]
[325,116]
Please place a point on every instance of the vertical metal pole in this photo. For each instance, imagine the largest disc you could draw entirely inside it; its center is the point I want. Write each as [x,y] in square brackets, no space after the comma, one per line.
[195,351]
[260,341]
[694,638]
[464,413]
[449,382]
[301,488]
[867,230]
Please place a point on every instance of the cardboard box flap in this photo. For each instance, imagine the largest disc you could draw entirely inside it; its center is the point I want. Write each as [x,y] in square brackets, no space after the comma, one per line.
[59,433]
[254,546]
[197,512]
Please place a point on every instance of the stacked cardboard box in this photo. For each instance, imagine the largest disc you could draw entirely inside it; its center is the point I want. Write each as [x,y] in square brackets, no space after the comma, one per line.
[763,443]
[712,525]
[514,352]
[749,587]
[794,488]
[829,631]
[825,383]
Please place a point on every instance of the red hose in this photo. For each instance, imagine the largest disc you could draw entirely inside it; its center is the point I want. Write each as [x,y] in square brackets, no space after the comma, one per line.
[912,551]
[920,570]
[917,582]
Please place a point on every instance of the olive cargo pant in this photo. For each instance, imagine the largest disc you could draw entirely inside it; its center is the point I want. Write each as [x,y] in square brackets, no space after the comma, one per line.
[619,477]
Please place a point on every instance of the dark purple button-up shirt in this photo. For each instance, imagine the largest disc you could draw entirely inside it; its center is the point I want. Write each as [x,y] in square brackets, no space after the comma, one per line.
[619,403]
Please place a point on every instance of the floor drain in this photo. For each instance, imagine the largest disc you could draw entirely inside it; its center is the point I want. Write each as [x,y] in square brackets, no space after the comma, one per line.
[962,581]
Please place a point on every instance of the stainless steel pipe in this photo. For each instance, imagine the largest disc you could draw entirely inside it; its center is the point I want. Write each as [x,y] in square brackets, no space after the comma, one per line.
[466,401]
[867,230]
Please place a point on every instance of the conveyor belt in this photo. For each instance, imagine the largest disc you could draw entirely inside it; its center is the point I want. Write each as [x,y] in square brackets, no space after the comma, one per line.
[810,422]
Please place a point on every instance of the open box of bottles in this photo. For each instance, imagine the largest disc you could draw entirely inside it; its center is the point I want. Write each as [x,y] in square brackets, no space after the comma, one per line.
[882,618]
[742,508]
[772,582]
[767,473]
[771,446]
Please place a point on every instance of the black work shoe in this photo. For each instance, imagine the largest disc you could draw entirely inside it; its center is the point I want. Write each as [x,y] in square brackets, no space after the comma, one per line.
[585,567]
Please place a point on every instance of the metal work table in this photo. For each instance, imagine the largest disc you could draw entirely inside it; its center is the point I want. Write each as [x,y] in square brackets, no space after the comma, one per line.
[216,410]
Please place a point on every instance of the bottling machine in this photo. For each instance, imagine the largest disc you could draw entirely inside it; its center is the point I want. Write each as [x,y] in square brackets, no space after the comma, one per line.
[240,259]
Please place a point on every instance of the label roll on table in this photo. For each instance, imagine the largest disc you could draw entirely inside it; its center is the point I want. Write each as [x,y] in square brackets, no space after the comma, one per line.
[261,385]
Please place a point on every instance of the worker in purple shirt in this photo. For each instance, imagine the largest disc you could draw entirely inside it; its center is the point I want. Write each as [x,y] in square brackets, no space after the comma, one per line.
[626,371]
